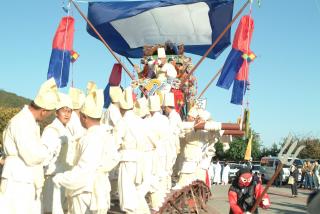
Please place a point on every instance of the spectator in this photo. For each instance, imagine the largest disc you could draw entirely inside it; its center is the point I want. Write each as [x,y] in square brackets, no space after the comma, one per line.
[217,173]
[294,173]
[315,175]
[257,178]
[278,181]
[308,175]
[225,174]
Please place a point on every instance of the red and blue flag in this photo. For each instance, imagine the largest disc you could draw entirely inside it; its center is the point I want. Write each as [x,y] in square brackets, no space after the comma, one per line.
[61,52]
[236,67]
[114,80]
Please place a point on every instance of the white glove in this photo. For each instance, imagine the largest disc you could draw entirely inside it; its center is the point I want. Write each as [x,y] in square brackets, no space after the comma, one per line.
[265,202]
[57,179]
[247,212]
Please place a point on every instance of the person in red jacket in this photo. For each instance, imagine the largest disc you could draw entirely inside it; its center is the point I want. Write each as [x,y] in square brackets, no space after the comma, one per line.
[243,193]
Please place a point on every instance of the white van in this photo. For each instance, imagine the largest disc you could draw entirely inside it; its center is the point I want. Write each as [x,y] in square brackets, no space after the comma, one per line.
[268,167]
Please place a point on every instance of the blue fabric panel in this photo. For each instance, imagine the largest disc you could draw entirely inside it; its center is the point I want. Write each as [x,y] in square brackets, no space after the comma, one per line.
[59,66]
[102,13]
[230,69]
[238,91]
[107,99]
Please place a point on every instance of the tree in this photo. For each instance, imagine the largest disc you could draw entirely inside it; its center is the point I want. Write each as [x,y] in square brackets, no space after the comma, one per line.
[7,113]
[312,149]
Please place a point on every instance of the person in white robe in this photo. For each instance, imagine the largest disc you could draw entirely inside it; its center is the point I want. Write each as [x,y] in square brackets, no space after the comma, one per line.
[175,124]
[74,125]
[208,149]
[22,175]
[112,115]
[217,173]
[225,174]
[141,110]
[110,118]
[88,181]
[189,156]
[131,140]
[162,160]
[58,134]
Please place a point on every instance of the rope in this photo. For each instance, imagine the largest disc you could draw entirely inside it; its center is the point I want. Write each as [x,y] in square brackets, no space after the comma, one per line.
[72,75]
[64,44]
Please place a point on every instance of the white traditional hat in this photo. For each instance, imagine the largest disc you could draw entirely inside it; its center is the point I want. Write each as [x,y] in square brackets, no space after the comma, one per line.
[115,93]
[161,53]
[193,112]
[91,86]
[126,101]
[93,105]
[168,99]
[77,96]
[154,103]
[47,97]
[65,101]
[204,115]
[141,107]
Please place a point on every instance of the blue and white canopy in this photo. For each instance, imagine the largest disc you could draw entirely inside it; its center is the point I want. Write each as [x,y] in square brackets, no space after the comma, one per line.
[129,25]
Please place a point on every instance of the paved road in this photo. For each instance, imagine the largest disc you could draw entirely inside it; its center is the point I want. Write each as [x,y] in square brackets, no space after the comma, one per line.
[281,201]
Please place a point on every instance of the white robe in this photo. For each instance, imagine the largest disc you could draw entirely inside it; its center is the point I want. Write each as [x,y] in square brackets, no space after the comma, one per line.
[225,174]
[88,181]
[217,173]
[56,133]
[132,140]
[77,131]
[22,175]
[111,116]
[175,123]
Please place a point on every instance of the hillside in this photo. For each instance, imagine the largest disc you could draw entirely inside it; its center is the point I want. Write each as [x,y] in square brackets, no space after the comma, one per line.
[11,104]
[11,100]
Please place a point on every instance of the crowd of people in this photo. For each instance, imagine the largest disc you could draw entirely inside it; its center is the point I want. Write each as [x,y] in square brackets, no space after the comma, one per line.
[87,156]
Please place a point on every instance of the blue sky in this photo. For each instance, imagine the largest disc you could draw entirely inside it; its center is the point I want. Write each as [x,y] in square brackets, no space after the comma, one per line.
[284,96]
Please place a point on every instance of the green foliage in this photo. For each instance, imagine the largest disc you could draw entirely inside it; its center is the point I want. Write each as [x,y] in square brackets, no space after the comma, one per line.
[272,151]
[237,150]
[11,100]
[312,149]
[219,150]
[5,115]
[10,105]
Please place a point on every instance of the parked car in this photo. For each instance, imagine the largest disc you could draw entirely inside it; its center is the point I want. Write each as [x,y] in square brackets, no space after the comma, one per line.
[256,168]
[268,167]
[234,168]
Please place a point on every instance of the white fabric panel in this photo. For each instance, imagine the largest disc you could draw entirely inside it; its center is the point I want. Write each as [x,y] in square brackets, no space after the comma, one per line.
[187,24]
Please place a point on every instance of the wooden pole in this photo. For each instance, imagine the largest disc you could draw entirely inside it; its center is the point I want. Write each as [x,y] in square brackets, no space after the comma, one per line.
[215,42]
[102,40]
[275,175]
[211,81]
[230,126]
[238,133]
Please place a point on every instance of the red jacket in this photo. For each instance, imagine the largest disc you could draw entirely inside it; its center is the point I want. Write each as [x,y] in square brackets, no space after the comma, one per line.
[236,206]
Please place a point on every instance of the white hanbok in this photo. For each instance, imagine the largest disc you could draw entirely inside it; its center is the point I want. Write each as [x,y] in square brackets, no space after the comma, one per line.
[88,181]
[217,173]
[22,175]
[225,174]
[56,133]
[132,141]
